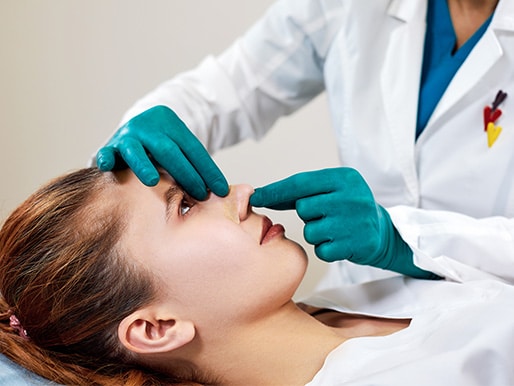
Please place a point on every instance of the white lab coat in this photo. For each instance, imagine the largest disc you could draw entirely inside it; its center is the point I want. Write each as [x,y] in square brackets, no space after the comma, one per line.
[367,55]
[459,334]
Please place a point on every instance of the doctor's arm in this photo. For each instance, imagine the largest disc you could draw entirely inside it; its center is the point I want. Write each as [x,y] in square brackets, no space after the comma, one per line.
[273,70]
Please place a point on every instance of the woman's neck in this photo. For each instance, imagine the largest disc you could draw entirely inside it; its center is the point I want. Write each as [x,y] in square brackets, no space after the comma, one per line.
[468,15]
[287,348]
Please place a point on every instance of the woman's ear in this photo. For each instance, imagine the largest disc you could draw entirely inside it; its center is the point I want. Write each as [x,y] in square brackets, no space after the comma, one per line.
[150,331]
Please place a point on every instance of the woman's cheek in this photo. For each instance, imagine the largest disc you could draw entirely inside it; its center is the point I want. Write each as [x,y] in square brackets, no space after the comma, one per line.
[215,244]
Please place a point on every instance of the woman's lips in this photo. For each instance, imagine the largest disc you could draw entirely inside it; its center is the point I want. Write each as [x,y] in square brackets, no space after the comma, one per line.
[269,231]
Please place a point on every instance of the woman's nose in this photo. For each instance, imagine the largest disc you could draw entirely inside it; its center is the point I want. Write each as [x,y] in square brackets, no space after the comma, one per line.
[236,205]
[242,193]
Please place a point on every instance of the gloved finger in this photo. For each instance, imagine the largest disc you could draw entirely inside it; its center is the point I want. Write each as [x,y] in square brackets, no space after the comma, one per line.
[169,156]
[167,122]
[136,158]
[317,232]
[211,174]
[329,252]
[105,158]
[315,207]
[198,156]
[283,194]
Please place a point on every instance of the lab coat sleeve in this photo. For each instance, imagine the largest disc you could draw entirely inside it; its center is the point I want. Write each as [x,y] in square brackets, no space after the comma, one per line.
[274,69]
[456,246]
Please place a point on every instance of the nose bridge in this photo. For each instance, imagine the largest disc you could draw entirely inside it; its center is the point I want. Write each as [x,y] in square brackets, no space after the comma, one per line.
[237,203]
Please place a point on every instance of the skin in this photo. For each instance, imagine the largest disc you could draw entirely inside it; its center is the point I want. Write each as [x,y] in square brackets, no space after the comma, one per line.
[223,292]
[468,15]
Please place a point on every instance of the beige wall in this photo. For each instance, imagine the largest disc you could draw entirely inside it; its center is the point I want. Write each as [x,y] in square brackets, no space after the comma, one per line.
[70,68]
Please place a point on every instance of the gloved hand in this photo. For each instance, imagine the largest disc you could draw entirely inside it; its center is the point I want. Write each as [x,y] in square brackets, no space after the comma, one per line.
[161,133]
[342,219]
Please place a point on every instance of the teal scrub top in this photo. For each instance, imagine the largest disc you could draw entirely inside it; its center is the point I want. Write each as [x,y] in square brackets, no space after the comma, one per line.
[440,60]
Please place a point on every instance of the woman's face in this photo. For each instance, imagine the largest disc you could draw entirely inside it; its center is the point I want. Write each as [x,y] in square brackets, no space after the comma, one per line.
[214,257]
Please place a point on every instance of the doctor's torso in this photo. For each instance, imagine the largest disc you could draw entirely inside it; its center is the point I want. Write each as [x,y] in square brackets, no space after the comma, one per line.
[372,75]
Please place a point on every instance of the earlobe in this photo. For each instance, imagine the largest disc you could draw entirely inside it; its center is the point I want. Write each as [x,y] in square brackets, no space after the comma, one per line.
[143,332]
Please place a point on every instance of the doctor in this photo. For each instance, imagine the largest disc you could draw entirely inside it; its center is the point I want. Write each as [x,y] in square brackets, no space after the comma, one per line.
[419,96]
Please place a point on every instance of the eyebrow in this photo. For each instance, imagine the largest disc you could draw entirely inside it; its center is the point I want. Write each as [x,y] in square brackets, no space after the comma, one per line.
[170,196]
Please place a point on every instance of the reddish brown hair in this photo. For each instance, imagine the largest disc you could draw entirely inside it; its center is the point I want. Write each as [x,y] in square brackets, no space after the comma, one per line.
[63,276]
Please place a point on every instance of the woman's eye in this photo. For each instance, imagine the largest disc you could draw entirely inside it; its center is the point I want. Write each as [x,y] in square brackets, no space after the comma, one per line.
[185,207]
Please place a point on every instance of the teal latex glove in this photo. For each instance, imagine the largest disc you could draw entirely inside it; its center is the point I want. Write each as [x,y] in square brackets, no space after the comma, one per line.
[160,133]
[342,219]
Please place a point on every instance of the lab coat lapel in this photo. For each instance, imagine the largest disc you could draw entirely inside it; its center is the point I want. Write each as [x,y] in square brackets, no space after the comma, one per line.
[479,63]
[400,79]
[474,69]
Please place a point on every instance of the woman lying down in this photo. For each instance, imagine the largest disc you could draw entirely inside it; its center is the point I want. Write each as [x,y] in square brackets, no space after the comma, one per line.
[108,282]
